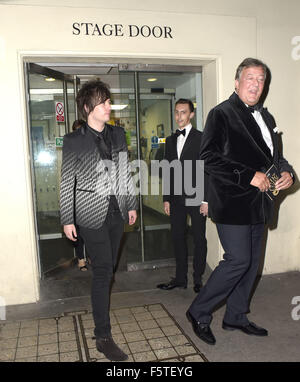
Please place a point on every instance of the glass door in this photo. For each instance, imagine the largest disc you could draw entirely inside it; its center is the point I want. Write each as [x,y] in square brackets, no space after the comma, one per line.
[150,96]
[51,104]
[125,108]
[155,111]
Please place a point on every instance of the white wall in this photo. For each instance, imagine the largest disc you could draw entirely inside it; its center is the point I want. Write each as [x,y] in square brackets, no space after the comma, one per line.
[217,31]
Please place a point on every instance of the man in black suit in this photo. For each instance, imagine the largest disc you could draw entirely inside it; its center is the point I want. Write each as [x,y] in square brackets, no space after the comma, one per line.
[184,146]
[239,145]
[98,196]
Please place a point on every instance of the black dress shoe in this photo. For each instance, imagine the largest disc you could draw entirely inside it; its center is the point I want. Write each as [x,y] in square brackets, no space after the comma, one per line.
[171,285]
[202,331]
[197,288]
[110,349]
[249,328]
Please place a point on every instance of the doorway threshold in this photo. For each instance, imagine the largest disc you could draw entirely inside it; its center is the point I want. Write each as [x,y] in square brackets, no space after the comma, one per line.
[155,264]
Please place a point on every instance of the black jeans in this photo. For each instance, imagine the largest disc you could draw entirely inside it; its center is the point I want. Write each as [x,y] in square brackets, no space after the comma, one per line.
[102,246]
[178,217]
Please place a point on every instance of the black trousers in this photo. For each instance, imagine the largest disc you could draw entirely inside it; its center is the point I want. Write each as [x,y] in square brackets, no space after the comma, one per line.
[234,277]
[178,217]
[102,246]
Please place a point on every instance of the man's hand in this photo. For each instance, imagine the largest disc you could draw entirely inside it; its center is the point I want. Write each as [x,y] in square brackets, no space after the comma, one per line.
[204,209]
[167,208]
[70,232]
[260,181]
[132,215]
[284,182]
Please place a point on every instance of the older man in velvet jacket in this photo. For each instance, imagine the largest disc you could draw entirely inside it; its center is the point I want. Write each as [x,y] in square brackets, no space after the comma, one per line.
[239,145]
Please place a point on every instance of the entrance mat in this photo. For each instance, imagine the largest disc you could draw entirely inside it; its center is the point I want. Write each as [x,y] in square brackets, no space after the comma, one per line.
[146,333]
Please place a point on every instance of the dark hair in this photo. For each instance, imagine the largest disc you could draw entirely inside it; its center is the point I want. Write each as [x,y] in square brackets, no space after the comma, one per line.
[186,101]
[90,95]
[77,123]
[248,63]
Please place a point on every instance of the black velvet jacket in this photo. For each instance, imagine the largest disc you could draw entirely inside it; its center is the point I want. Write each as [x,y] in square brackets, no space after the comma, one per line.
[233,150]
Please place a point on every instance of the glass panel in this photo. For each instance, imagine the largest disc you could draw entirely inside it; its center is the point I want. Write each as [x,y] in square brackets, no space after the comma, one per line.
[157,93]
[47,124]
[155,123]
[124,98]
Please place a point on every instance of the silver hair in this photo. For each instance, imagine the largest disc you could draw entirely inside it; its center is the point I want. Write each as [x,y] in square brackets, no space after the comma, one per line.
[248,63]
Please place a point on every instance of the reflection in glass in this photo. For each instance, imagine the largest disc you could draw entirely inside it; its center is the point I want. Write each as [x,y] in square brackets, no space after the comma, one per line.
[47,157]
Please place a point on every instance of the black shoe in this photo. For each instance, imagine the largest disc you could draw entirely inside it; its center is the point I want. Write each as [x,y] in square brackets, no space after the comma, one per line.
[202,331]
[249,328]
[171,285]
[110,349]
[197,287]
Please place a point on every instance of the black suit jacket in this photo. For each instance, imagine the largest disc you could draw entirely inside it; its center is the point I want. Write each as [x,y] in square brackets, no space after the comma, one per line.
[233,149]
[190,152]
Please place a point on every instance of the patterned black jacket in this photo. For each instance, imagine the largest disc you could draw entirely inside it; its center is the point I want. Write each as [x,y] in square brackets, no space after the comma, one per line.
[87,181]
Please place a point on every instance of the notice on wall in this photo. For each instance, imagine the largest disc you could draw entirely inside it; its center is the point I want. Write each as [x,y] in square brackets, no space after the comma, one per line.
[154,142]
[60,112]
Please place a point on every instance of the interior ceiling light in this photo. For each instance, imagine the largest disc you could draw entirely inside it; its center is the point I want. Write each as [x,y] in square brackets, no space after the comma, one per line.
[118,107]
[151,79]
[49,79]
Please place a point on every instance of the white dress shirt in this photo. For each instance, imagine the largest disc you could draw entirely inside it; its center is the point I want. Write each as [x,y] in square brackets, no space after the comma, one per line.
[263,128]
[181,139]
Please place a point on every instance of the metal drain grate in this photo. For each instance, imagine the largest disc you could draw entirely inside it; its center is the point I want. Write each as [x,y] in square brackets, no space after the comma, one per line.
[43,340]
[146,333]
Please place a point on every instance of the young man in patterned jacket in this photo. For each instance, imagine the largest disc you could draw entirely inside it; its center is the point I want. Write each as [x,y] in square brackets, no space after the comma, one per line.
[98,195]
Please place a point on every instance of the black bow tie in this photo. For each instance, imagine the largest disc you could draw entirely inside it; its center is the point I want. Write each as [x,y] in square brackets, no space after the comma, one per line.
[257,107]
[178,132]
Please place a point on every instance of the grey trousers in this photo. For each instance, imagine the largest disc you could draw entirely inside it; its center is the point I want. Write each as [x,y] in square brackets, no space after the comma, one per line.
[234,277]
